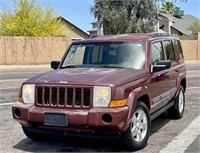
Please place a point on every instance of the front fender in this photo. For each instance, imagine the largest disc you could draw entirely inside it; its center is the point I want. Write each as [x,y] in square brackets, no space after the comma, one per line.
[133,97]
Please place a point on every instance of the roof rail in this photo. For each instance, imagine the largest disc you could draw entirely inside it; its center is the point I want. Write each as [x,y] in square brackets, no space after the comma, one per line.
[96,36]
[162,34]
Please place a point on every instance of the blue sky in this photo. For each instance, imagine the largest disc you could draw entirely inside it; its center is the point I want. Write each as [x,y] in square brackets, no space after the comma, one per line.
[191,7]
[78,11]
[75,11]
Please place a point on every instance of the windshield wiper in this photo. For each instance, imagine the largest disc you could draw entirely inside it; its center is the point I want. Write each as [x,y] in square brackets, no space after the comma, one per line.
[92,66]
[68,66]
[111,66]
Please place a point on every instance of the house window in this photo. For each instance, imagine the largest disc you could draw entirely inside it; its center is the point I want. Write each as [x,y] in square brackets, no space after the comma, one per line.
[77,39]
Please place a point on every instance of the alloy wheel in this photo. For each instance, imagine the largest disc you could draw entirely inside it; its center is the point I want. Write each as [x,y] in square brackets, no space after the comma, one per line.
[139,125]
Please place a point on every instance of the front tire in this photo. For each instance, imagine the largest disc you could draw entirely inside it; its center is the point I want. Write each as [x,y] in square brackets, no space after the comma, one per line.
[34,135]
[137,134]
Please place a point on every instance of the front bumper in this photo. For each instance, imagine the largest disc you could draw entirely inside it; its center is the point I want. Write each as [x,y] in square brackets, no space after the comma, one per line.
[95,120]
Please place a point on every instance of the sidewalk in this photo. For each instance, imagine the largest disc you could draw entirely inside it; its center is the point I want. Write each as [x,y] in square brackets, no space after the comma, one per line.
[192,61]
[45,66]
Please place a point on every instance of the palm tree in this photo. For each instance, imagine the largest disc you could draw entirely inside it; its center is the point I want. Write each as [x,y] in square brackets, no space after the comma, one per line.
[168,8]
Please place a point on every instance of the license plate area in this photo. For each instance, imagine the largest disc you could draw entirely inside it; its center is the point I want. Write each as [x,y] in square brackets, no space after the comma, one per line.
[55,119]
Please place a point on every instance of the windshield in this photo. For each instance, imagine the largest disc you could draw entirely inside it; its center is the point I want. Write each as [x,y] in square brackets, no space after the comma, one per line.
[123,55]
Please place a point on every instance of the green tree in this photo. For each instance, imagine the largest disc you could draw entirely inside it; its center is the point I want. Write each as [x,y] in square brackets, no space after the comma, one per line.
[168,8]
[194,27]
[125,16]
[27,18]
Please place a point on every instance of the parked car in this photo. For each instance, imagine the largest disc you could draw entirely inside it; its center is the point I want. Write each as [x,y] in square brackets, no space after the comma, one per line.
[107,85]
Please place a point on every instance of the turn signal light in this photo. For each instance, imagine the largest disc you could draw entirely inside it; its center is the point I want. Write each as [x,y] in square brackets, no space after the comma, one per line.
[118,103]
[20,99]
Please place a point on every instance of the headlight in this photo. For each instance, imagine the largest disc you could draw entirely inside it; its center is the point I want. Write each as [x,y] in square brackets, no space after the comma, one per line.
[101,96]
[28,93]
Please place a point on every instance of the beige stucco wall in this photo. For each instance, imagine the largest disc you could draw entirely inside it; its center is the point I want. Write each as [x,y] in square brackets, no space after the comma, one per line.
[2,51]
[42,50]
[190,49]
[198,46]
[32,50]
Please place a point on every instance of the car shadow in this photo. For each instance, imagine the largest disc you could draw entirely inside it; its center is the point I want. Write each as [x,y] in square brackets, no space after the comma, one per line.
[159,122]
[70,144]
[77,144]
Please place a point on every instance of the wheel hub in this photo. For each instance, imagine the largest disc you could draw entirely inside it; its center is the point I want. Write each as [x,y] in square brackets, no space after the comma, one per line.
[139,125]
[180,102]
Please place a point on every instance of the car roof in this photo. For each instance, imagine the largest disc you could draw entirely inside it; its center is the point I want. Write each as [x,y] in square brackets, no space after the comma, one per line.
[133,37]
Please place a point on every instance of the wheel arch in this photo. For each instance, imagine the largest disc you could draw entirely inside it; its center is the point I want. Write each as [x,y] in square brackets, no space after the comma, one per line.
[145,98]
[183,83]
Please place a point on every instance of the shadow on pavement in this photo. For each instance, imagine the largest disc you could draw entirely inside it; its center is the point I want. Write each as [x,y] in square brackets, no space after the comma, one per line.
[76,144]
[70,144]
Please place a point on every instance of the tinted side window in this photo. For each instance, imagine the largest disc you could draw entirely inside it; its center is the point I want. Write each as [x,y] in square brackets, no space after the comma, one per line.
[178,50]
[156,52]
[169,50]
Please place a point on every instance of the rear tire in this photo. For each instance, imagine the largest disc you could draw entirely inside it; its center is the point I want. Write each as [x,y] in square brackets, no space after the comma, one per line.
[137,135]
[177,110]
[34,135]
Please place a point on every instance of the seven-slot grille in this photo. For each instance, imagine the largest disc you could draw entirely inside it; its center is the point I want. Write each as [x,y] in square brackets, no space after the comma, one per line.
[62,96]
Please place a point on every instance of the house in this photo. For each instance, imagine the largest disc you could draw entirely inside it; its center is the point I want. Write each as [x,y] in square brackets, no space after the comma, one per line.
[176,23]
[97,29]
[73,31]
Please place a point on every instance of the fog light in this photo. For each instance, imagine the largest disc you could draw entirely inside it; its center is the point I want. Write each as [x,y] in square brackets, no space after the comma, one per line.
[107,118]
[17,113]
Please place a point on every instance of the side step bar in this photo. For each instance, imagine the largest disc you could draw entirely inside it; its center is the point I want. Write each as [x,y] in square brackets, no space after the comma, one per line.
[162,110]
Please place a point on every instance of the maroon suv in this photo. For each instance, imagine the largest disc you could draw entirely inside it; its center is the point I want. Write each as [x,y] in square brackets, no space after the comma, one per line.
[106,85]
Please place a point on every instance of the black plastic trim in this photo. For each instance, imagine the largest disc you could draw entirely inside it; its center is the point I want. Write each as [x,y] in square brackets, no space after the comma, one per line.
[162,110]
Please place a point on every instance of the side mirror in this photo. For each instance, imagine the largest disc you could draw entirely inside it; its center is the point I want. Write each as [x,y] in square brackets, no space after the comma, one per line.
[55,64]
[161,65]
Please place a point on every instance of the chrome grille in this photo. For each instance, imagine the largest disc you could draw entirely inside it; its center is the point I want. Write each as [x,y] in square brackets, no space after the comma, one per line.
[61,96]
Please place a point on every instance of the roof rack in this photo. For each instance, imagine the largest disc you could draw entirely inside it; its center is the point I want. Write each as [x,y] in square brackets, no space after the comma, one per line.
[96,36]
[162,34]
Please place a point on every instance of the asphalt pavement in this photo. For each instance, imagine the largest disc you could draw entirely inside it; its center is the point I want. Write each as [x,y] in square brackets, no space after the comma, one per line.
[167,135]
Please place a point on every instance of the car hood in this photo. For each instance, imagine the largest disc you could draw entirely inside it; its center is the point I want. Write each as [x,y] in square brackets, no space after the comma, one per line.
[89,76]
